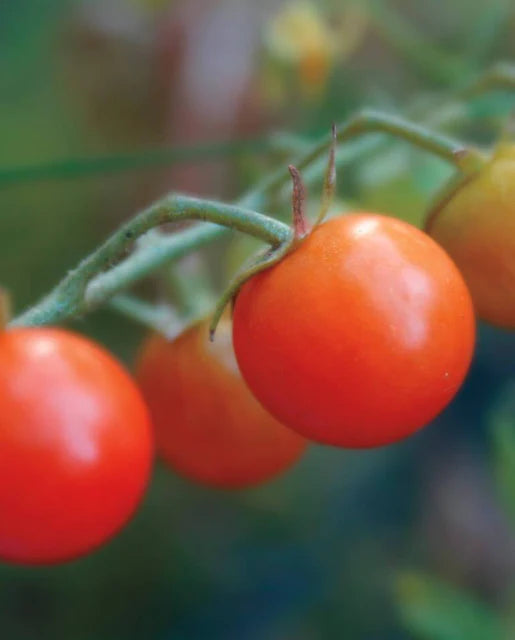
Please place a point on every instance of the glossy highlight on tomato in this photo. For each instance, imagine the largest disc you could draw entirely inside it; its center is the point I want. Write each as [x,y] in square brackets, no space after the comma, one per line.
[75,446]
[208,425]
[360,336]
[476,226]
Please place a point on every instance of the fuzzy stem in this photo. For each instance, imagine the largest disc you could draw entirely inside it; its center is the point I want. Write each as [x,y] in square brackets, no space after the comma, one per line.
[147,259]
[68,300]
[98,276]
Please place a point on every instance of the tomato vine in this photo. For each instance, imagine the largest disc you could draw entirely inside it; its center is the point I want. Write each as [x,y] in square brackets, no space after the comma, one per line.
[101,274]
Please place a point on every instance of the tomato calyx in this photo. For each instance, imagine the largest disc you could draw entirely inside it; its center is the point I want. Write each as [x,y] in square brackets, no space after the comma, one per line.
[301,226]
[262,261]
[272,255]
[301,229]
[329,180]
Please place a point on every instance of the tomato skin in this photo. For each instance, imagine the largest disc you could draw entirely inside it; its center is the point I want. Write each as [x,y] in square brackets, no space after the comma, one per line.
[358,337]
[75,446]
[208,426]
[476,226]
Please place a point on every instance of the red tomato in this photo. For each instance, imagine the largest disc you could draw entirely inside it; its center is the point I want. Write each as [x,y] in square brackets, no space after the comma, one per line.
[75,446]
[358,337]
[208,425]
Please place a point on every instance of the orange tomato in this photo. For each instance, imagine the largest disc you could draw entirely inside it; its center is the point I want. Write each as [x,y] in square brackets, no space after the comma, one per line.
[476,226]
[360,336]
[208,426]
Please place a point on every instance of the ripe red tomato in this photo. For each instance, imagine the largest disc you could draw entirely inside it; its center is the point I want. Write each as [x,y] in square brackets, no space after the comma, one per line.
[75,445]
[476,226]
[358,337]
[208,426]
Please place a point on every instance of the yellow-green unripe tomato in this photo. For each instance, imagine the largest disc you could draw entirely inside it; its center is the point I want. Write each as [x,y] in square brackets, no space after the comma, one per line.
[476,226]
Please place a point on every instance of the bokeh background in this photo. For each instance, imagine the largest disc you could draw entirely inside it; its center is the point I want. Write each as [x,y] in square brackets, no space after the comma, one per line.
[107,104]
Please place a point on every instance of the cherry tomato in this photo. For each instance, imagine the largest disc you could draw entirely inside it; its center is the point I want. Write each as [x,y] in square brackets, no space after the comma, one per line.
[359,336]
[476,226]
[75,445]
[208,425]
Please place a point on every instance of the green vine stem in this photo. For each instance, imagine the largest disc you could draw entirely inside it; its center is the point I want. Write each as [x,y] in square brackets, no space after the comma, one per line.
[434,110]
[98,276]
[168,248]
[456,153]
[68,299]
[148,258]
[300,229]
[260,263]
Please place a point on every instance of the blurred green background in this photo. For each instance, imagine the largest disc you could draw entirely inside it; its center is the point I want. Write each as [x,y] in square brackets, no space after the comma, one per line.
[98,100]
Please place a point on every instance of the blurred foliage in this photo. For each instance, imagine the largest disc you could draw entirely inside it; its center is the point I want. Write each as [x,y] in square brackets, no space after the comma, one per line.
[115,96]
[433,610]
[503,428]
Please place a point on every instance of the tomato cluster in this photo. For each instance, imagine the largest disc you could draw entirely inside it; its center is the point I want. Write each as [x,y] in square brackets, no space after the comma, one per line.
[361,335]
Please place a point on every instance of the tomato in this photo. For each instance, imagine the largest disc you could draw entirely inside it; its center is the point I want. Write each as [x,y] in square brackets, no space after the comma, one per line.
[208,426]
[75,445]
[476,226]
[359,336]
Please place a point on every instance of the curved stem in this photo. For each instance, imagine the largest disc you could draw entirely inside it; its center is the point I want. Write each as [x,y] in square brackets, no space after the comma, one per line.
[367,122]
[262,262]
[274,254]
[148,258]
[67,299]
[91,283]
[499,76]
